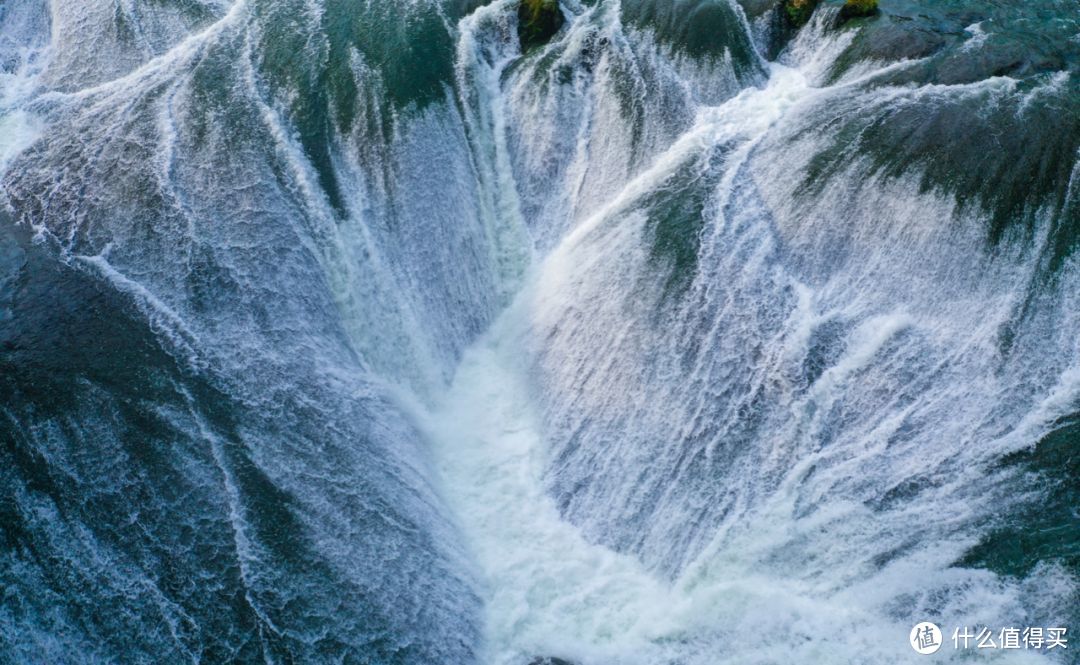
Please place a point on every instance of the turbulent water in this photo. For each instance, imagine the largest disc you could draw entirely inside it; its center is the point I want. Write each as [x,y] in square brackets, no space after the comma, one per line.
[345,331]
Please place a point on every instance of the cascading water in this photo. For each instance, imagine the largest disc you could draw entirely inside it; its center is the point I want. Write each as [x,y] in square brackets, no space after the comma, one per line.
[347,331]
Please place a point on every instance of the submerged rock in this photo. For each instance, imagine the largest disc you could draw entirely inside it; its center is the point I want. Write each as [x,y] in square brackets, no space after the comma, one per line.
[538,21]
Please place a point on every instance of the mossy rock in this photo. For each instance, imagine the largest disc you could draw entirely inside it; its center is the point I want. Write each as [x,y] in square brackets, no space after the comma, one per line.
[699,28]
[858,8]
[798,12]
[538,21]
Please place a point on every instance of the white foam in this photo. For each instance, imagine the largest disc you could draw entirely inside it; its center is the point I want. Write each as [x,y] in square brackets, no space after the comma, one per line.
[18,131]
[813,550]
[548,591]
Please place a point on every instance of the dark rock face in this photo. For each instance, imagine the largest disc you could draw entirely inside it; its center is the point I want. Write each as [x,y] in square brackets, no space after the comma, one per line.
[798,12]
[959,45]
[538,21]
[890,40]
[858,8]
[768,25]
[550,661]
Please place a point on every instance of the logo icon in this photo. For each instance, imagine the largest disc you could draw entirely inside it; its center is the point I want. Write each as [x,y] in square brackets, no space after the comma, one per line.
[925,638]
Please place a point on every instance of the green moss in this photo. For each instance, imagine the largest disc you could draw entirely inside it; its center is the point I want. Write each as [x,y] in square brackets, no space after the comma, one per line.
[700,28]
[538,21]
[798,12]
[409,56]
[1043,531]
[856,8]
[1018,187]
[676,218]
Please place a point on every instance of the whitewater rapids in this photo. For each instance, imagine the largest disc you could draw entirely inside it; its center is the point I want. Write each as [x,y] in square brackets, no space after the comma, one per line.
[346,331]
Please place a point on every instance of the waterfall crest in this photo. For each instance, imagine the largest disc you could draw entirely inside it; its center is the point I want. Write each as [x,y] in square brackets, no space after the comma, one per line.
[347,331]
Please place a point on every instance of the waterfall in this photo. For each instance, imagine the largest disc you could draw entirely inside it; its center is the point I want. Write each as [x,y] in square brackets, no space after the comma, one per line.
[349,331]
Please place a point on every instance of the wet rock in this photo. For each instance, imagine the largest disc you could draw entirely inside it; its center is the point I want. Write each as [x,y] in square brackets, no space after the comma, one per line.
[953,49]
[757,8]
[538,21]
[798,12]
[699,28]
[858,8]
[892,40]
[768,25]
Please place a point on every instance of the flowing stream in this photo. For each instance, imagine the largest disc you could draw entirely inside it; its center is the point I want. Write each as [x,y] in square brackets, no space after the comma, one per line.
[347,331]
